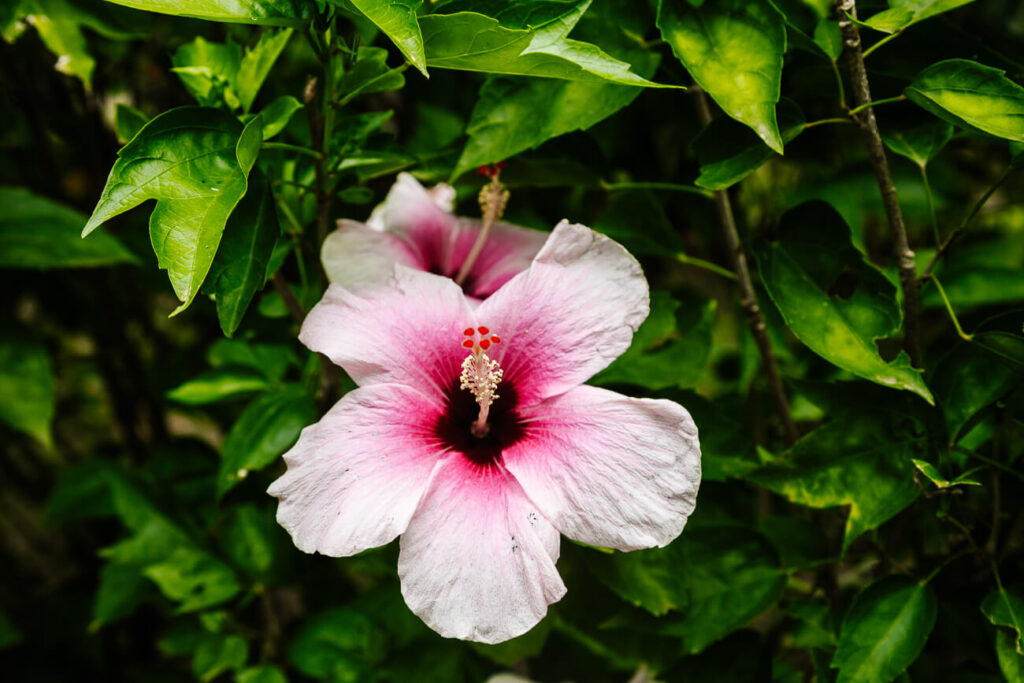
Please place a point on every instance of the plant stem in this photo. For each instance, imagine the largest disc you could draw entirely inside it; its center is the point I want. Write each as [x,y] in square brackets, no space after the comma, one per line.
[989,461]
[839,84]
[868,105]
[688,260]
[290,302]
[293,148]
[821,122]
[748,298]
[672,187]
[493,198]
[865,118]
[953,236]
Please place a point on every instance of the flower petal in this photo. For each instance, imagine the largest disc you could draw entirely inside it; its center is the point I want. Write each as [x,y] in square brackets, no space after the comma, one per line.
[406,331]
[355,477]
[568,316]
[609,470]
[508,251]
[478,561]
[356,254]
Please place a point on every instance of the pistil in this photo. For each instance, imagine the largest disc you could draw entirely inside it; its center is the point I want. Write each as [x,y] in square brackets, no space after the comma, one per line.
[480,375]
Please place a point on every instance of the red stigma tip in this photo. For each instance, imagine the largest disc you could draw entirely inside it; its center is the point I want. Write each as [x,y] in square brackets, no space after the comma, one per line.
[468,343]
[495,339]
[483,330]
[468,332]
[484,344]
[483,170]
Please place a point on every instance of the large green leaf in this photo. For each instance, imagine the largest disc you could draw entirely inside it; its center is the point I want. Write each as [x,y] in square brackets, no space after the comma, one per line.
[832,299]
[903,13]
[267,428]
[268,12]
[1005,607]
[718,578]
[256,64]
[863,461]
[219,72]
[27,388]
[397,19]
[728,152]
[122,589]
[968,379]
[972,95]
[664,352]
[474,42]
[733,49]
[337,644]
[39,233]
[884,630]
[240,267]
[513,114]
[1011,662]
[218,385]
[195,162]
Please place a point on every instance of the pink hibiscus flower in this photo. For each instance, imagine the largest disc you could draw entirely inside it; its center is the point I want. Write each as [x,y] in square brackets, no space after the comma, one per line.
[471,436]
[416,228]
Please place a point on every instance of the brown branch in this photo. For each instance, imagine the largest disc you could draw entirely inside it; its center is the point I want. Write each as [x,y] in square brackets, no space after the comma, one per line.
[748,299]
[865,119]
[318,142]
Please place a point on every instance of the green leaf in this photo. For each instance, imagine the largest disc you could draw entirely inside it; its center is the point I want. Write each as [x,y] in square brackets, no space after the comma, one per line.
[863,461]
[734,50]
[194,579]
[829,37]
[240,267]
[338,644]
[725,442]
[717,577]
[513,114]
[261,674]
[256,65]
[27,388]
[904,13]
[919,143]
[637,219]
[970,378]
[971,95]
[884,630]
[1011,662]
[218,385]
[36,232]
[934,476]
[268,427]
[728,152]
[665,353]
[266,12]
[510,652]
[397,19]
[195,162]
[209,70]
[249,540]
[270,360]
[277,114]
[122,589]
[218,653]
[128,121]
[370,74]
[9,635]
[832,299]
[1005,607]
[474,42]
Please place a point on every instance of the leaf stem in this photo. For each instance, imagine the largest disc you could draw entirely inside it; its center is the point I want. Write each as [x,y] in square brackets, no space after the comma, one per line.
[989,461]
[706,265]
[351,95]
[748,298]
[865,118]
[942,565]
[868,105]
[671,187]
[839,84]
[953,236]
[298,149]
[883,41]
[821,122]
[949,308]
[290,302]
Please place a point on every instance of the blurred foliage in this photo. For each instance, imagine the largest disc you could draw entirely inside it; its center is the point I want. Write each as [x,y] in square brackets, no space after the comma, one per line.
[136,535]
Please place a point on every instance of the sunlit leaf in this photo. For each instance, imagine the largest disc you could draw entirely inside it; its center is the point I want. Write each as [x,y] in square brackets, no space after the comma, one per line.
[269,12]
[832,299]
[884,630]
[971,95]
[370,74]
[36,232]
[27,388]
[733,49]
[127,122]
[397,19]
[904,13]
[218,385]
[256,64]
[934,476]
[474,42]
[195,162]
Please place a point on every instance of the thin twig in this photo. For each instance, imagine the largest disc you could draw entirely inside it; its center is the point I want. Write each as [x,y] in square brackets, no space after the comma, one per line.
[846,10]
[748,299]
[290,302]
